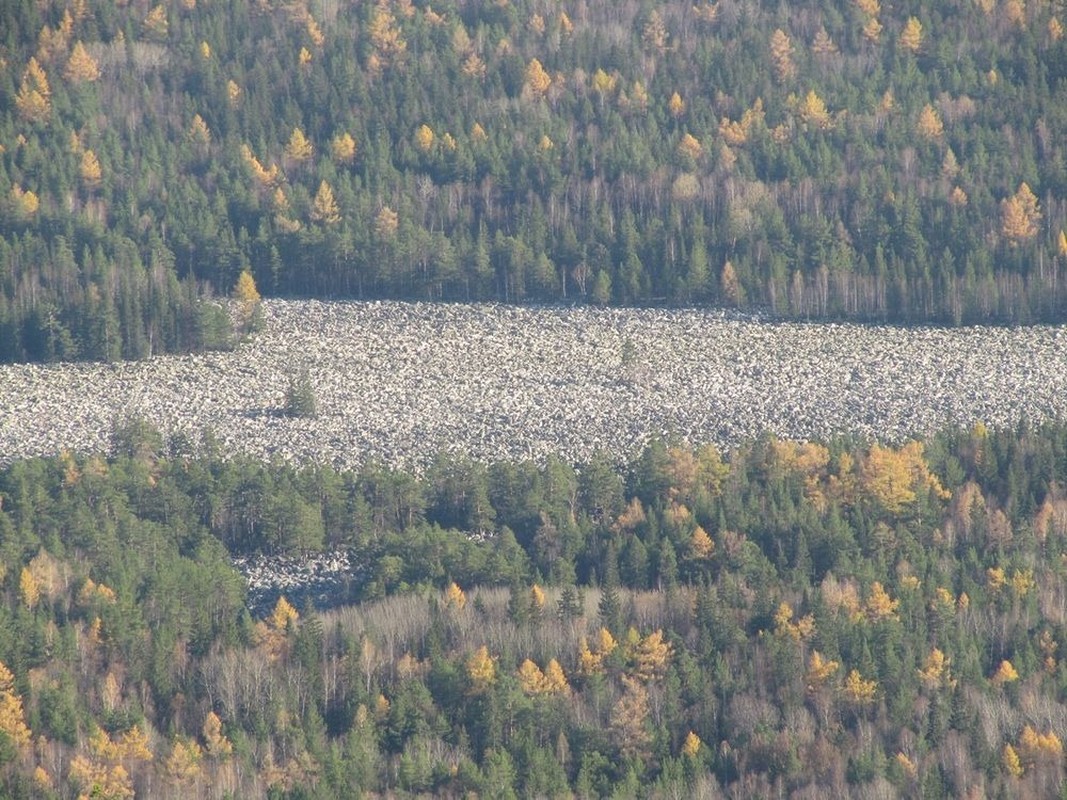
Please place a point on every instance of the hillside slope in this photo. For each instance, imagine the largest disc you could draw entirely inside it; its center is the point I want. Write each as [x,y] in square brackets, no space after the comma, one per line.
[831,158]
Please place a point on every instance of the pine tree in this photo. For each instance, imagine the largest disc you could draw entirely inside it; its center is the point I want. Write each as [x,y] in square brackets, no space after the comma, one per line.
[609,608]
[300,400]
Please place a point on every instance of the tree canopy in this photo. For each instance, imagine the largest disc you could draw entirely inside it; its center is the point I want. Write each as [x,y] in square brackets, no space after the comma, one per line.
[845,159]
[836,617]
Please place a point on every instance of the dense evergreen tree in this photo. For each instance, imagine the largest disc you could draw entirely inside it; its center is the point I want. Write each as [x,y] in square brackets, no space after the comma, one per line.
[845,618]
[826,162]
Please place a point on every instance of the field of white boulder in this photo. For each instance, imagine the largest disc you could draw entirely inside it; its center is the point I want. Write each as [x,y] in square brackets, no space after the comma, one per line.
[399,382]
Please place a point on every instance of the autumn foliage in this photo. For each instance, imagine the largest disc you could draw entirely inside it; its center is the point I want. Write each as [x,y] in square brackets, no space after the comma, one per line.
[875,635]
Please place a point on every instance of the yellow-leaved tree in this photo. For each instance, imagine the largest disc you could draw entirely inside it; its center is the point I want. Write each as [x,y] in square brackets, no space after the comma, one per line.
[691,745]
[247,297]
[531,679]
[424,138]
[454,597]
[555,678]
[81,67]
[1039,748]
[343,148]
[813,111]
[654,33]
[934,673]
[591,660]
[272,634]
[537,601]
[12,717]
[929,125]
[604,83]
[1019,215]
[215,742]
[689,147]
[199,133]
[299,149]
[386,223]
[90,171]
[156,24]
[1013,765]
[857,691]
[872,30]
[182,766]
[324,207]
[676,105]
[879,604]
[701,547]
[1006,673]
[911,38]
[822,44]
[51,44]
[100,780]
[265,177]
[386,39]
[481,670]
[782,55]
[651,657]
[24,203]
[892,477]
[474,66]
[538,80]
[29,589]
[34,98]
[784,625]
[820,670]
[629,719]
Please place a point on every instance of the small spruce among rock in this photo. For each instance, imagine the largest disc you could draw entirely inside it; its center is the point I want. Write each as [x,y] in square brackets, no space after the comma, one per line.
[300,398]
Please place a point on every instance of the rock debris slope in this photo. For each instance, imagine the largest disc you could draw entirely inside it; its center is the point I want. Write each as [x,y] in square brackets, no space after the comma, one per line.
[399,382]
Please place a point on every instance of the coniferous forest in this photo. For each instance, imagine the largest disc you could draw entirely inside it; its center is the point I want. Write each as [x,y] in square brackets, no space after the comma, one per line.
[784,619]
[795,619]
[818,159]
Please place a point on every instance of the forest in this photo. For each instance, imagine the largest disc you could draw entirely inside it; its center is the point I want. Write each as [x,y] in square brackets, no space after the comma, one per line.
[802,619]
[844,617]
[817,159]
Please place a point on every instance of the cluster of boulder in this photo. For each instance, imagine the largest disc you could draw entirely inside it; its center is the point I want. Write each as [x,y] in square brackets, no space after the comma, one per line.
[400,382]
[321,580]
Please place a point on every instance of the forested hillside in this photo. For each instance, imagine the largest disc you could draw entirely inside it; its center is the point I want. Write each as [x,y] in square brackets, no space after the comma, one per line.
[833,158]
[785,619]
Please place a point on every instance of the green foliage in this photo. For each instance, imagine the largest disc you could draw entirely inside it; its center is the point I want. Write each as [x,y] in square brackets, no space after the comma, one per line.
[300,400]
[875,653]
[455,170]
